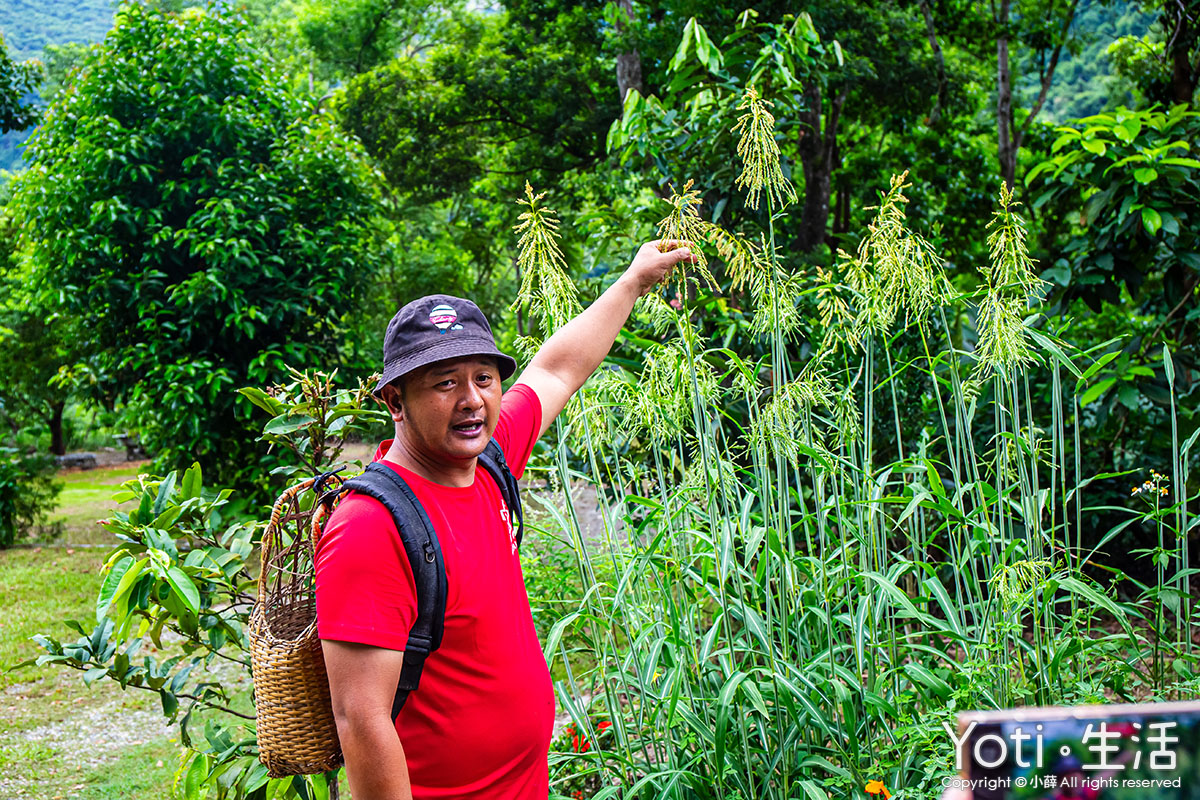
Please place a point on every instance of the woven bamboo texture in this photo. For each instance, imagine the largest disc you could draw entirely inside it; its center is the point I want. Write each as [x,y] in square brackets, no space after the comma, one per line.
[297,734]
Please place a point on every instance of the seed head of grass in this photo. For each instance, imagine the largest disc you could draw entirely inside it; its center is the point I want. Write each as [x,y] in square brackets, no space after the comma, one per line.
[683,223]
[1003,343]
[782,424]
[1014,583]
[1012,270]
[846,417]
[656,312]
[760,153]
[551,296]
[775,305]
[744,261]
[896,269]
[837,321]
[661,405]
[721,473]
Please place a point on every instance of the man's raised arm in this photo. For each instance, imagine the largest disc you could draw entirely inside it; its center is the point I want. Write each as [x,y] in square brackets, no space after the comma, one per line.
[573,353]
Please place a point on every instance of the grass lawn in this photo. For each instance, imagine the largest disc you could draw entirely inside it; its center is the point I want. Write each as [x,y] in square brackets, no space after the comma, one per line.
[87,497]
[62,739]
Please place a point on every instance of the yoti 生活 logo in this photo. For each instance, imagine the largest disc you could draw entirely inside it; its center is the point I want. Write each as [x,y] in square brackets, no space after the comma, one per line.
[444,318]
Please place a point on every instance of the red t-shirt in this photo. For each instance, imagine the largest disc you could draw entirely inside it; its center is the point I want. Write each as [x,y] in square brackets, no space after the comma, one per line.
[479,724]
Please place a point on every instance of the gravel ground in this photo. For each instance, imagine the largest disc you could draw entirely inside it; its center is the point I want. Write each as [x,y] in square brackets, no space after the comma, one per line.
[90,732]
[86,732]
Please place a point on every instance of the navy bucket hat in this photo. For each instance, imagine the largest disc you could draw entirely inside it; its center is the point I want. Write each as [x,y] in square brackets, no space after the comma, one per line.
[435,328]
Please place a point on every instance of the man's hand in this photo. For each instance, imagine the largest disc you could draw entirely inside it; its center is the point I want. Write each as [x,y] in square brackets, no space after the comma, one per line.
[572,354]
[655,261]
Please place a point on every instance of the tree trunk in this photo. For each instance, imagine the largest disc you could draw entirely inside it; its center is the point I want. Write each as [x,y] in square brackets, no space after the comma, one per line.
[1009,138]
[58,444]
[629,64]
[1008,152]
[940,58]
[818,156]
[1180,43]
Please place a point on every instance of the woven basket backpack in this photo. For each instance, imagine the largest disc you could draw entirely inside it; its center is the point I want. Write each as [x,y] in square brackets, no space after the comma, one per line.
[296,730]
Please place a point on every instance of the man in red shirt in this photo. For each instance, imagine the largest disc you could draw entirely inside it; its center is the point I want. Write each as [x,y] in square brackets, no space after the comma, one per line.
[479,725]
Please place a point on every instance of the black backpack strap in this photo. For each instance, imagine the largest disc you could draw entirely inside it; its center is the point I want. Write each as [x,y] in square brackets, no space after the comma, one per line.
[429,570]
[492,459]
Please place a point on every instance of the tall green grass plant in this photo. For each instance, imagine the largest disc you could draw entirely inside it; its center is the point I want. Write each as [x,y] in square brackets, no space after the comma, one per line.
[795,608]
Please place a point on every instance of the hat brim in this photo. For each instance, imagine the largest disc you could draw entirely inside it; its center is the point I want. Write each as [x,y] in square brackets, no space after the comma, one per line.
[441,350]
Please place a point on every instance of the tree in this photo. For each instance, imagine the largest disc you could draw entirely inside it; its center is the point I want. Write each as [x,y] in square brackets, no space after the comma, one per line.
[1136,177]
[209,225]
[1031,33]
[1181,22]
[834,70]
[18,80]
[512,96]
[35,345]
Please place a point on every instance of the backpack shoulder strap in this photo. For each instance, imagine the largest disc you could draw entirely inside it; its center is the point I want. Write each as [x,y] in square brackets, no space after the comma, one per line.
[429,570]
[492,459]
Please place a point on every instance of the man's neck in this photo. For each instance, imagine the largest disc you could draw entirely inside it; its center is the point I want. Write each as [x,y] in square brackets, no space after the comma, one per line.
[457,474]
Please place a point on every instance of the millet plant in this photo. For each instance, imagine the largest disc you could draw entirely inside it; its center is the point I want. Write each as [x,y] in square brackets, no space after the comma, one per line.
[796,609]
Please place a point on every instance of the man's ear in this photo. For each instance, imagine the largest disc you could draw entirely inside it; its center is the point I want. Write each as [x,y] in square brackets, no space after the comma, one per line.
[393,399]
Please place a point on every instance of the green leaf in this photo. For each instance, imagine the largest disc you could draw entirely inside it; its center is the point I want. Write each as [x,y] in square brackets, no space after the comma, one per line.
[256,777]
[1049,344]
[812,791]
[1095,391]
[91,675]
[1098,365]
[164,495]
[194,779]
[725,700]
[261,399]
[128,579]
[108,589]
[1169,367]
[689,31]
[184,588]
[1094,146]
[1127,130]
[1145,175]
[1075,586]
[923,676]
[193,481]
[170,703]
[935,480]
[287,423]
[1152,220]
[167,518]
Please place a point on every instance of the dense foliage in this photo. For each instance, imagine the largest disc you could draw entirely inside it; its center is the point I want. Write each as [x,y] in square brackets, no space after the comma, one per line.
[210,225]
[17,81]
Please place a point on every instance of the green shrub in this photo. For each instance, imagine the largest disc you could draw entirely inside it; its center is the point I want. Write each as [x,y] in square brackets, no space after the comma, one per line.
[27,493]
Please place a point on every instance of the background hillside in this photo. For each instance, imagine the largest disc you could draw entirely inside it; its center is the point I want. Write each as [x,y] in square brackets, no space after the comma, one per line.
[29,25]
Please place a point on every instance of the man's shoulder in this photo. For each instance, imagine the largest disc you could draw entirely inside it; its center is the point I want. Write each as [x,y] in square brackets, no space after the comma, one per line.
[357,509]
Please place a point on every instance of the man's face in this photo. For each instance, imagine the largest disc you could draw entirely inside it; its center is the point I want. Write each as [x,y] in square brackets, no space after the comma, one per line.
[448,410]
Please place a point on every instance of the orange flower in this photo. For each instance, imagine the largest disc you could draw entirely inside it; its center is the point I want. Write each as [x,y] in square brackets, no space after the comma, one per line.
[877,787]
